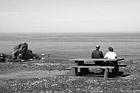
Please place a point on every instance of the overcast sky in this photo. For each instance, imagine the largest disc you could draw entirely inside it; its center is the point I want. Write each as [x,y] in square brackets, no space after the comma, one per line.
[69,16]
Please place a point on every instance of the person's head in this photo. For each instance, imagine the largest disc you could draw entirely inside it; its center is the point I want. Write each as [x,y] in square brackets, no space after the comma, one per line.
[97,46]
[110,49]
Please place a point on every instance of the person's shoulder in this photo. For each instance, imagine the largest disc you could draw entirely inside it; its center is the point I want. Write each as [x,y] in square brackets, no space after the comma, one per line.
[107,52]
[100,51]
[114,52]
[94,50]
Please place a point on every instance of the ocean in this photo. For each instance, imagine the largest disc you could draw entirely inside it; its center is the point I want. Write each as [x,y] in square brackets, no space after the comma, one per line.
[74,45]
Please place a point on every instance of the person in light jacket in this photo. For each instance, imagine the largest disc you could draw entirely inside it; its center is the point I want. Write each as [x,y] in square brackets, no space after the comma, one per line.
[110,54]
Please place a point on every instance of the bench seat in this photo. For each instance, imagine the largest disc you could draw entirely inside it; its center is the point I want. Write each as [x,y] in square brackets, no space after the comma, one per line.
[103,67]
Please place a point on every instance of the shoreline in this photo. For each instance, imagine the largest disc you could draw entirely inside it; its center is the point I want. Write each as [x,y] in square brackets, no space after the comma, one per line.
[75,55]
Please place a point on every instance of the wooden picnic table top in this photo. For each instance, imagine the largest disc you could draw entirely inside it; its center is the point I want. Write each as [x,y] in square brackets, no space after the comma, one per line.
[91,60]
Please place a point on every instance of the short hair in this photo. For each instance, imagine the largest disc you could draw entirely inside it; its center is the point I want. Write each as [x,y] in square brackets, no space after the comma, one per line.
[97,46]
[110,48]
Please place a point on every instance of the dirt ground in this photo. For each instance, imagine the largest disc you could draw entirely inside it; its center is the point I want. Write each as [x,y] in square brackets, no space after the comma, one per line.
[32,69]
[33,74]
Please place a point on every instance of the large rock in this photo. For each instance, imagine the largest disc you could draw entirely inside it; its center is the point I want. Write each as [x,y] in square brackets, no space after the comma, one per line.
[21,51]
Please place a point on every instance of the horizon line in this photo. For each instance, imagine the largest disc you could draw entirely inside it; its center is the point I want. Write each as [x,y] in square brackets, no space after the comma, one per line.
[65,32]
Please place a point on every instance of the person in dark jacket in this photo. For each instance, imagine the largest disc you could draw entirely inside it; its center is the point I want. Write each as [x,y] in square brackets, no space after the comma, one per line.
[96,54]
[2,57]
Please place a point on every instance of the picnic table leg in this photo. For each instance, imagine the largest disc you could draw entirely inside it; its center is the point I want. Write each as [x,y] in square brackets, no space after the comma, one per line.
[112,74]
[75,71]
[83,71]
[106,73]
[116,70]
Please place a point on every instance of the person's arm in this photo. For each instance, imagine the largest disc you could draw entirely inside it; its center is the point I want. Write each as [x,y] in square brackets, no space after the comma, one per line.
[115,56]
[105,56]
[102,56]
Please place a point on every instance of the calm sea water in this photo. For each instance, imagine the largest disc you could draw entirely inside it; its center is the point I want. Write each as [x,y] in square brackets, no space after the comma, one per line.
[126,45]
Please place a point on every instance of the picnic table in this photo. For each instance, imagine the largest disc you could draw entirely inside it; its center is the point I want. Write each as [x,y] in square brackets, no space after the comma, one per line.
[83,65]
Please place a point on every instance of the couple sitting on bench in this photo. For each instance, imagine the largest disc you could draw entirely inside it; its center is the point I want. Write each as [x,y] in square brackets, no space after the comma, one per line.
[97,54]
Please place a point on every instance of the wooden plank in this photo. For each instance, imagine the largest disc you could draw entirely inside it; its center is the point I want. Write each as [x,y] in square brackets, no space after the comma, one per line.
[101,59]
[122,65]
[103,67]
[91,60]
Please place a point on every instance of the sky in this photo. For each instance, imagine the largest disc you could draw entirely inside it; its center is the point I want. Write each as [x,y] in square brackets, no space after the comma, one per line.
[50,16]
